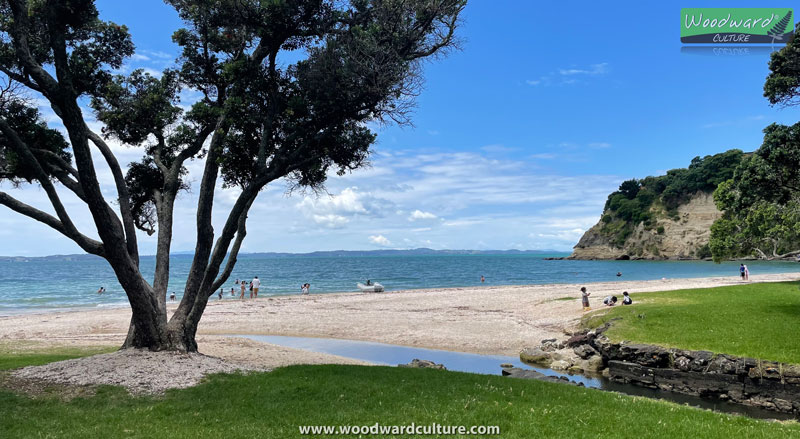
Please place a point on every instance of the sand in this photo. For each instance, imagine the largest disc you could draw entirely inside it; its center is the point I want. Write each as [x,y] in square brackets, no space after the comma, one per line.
[488,320]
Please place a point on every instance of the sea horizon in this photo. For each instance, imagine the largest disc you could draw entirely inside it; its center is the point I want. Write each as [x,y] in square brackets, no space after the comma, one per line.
[46,284]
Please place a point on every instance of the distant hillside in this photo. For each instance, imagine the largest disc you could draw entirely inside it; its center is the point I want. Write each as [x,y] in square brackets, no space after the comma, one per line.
[319,254]
[664,217]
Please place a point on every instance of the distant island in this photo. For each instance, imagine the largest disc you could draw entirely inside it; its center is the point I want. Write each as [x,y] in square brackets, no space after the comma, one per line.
[319,254]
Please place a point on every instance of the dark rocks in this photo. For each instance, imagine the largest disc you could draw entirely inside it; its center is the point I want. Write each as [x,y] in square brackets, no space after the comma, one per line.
[585,351]
[423,364]
[577,340]
[551,344]
[770,385]
[516,372]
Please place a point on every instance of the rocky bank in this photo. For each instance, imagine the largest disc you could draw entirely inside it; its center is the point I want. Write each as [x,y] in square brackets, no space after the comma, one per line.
[680,237]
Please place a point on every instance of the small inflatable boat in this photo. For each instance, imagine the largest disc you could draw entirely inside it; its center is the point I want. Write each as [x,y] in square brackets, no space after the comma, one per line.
[373,288]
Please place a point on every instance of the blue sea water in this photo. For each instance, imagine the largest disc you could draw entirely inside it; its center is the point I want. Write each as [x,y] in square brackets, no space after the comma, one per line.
[44,284]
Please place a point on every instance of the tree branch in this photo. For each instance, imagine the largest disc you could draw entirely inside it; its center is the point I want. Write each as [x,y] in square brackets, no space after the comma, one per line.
[241,232]
[124,198]
[87,244]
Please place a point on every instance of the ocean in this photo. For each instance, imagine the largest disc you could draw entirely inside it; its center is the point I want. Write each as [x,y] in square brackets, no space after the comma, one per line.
[39,285]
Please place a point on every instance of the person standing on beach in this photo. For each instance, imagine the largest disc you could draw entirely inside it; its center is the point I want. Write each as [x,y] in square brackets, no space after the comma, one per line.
[746,273]
[233,292]
[585,299]
[256,284]
[221,290]
[241,296]
[741,270]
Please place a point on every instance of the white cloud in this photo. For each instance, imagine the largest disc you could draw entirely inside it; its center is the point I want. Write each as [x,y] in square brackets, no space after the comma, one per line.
[350,202]
[594,69]
[379,240]
[420,215]
[330,220]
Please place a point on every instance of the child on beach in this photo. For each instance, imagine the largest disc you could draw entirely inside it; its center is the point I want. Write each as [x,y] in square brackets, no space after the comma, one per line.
[626,299]
[585,298]
[610,301]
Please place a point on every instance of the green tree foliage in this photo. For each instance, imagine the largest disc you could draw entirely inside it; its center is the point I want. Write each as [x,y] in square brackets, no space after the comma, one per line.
[637,201]
[783,82]
[760,203]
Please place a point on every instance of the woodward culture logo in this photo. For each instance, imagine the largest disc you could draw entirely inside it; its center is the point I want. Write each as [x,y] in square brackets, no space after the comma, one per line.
[736,25]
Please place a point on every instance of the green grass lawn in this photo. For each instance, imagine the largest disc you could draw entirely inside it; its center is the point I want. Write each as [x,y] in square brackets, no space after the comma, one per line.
[15,356]
[273,405]
[751,320]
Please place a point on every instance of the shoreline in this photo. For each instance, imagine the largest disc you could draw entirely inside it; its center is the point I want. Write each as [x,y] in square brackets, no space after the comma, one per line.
[227,298]
[496,320]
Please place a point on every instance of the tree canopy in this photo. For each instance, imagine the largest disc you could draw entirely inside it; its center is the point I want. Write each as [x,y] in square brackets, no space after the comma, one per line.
[287,90]
[761,202]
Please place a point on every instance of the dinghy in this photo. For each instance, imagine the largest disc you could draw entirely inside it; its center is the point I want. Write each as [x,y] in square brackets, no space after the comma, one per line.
[373,288]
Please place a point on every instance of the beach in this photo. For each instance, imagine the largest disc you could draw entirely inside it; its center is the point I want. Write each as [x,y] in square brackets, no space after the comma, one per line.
[498,320]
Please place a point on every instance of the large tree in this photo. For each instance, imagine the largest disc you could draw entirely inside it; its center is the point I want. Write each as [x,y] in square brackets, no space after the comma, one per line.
[288,88]
[761,203]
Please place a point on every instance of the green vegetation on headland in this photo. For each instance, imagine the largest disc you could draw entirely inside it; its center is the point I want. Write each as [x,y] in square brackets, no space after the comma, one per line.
[274,404]
[750,320]
[644,201]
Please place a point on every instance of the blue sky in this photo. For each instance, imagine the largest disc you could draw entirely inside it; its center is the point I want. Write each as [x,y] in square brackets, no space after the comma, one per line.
[517,139]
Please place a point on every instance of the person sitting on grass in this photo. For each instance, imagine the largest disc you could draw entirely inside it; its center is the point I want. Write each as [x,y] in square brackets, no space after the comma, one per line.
[610,301]
[626,299]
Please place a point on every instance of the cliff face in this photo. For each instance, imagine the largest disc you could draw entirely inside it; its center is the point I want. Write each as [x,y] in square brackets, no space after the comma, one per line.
[682,236]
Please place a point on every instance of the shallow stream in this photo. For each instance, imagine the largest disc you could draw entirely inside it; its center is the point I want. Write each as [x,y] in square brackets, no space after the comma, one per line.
[382,353]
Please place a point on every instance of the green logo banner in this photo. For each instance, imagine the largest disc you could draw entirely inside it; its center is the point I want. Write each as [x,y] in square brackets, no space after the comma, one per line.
[736,25]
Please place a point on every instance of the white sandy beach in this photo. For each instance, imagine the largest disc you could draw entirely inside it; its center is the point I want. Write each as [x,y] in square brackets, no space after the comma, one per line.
[488,320]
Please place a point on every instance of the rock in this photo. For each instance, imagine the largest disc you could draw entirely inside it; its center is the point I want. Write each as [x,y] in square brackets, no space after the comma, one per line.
[645,355]
[423,364]
[535,356]
[551,344]
[585,351]
[682,363]
[592,364]
[722,364]
[791,374]
[577,340]
[782,405]
[575,369]
[506,365]
[560,365]
[517,372]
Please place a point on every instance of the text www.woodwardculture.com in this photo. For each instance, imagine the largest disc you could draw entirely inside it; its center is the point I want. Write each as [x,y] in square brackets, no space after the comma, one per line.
[410,429]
